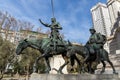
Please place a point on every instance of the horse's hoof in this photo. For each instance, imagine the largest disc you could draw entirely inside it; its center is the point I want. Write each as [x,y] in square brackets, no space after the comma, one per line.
[89,72]
[60,72]
[115,73]
[47,72]
[72,70]
[92,72]
[102,72]
[34,71]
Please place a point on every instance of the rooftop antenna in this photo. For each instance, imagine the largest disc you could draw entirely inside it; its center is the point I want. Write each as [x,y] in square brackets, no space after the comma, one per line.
[52,8]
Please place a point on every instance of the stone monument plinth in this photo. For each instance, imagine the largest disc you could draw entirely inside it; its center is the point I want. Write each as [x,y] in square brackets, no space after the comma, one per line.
[74,77]
[56,62]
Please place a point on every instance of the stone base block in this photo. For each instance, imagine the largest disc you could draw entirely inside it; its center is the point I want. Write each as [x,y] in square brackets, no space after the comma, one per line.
[35,76]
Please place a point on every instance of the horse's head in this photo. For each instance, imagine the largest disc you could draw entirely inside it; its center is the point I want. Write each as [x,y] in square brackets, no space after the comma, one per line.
[21,46]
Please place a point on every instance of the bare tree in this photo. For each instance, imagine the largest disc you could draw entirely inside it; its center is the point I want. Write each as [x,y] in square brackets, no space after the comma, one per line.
[13,24]
[2,19]
[26,27]
[7,25]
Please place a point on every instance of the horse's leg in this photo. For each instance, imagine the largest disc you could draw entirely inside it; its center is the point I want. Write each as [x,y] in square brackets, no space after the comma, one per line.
[89,67]
[36,62]
[48,64]
[108,60]
[66,62]
[114,71]
[103,68]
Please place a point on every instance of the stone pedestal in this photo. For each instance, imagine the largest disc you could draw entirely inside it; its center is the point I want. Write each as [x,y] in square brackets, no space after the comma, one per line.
[74,77]
[56,62]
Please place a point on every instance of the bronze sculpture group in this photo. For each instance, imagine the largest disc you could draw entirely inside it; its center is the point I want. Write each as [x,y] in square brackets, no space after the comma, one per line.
[54,45]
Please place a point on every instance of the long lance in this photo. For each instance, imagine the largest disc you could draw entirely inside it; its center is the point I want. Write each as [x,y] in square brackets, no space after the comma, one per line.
[52,8]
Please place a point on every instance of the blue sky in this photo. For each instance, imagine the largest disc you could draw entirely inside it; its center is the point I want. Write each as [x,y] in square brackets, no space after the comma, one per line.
[73,15]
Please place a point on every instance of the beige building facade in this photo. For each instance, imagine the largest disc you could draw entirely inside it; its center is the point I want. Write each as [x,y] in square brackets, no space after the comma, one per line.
[16,36]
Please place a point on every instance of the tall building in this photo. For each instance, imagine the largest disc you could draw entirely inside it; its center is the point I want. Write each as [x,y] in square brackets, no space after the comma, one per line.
[101,19]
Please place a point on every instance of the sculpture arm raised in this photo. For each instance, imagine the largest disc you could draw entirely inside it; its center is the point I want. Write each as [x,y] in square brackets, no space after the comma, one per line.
[47,25]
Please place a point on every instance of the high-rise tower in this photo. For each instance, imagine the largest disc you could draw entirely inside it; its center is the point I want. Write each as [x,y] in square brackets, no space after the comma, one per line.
[101,19]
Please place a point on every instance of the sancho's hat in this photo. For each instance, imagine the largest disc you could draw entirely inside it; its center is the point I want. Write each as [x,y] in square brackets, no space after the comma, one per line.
[92,28]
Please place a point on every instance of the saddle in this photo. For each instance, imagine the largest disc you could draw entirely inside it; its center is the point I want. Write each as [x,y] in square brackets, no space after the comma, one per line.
[90,49]
[58,43]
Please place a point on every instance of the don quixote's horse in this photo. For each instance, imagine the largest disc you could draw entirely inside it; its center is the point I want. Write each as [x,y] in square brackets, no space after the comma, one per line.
[44,46]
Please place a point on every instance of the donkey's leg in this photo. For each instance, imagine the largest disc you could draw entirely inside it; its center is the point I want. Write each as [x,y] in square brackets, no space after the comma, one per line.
[103,68]
[66,62]
[79,65]
[72,61]
[114,71]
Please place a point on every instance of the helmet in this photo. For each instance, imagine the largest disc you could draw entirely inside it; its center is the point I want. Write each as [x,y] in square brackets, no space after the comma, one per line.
[92,28]
[53,19]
